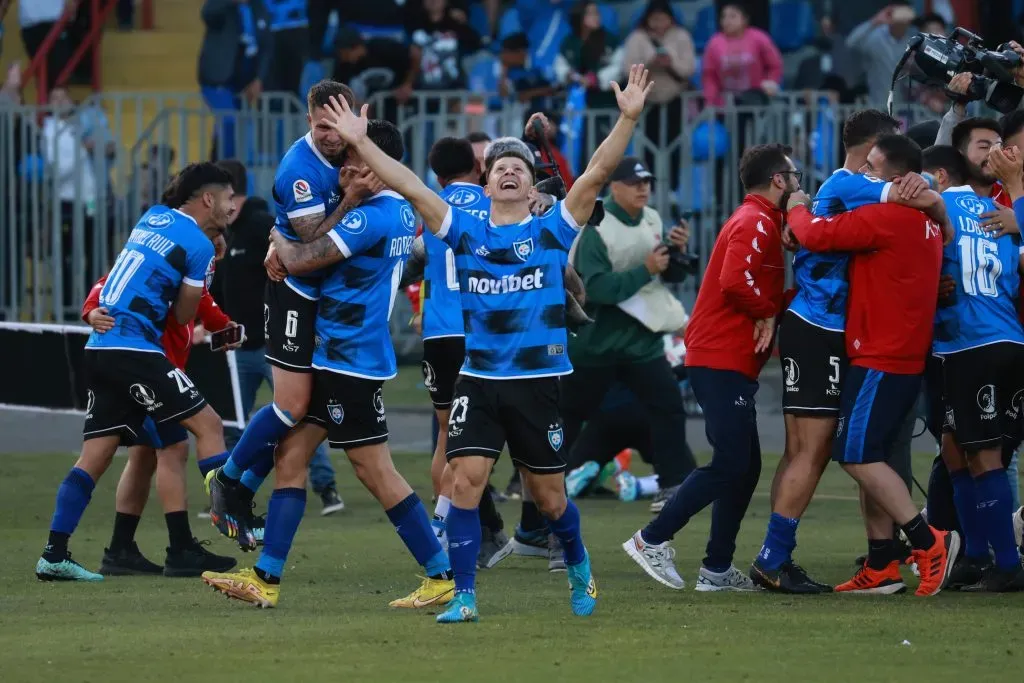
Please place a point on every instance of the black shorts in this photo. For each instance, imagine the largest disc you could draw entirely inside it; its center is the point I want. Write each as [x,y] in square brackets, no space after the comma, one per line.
[983,390]
[127,387]
[351,409]
[813,366]
[289,319]
[442,360]
[488,413]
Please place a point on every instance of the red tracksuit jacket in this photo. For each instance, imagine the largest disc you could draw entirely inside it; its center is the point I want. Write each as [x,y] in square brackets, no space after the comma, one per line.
[177,337]
[743,283]
[894,272]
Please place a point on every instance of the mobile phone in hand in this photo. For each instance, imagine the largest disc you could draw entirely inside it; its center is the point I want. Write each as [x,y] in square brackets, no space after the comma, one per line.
[227,337]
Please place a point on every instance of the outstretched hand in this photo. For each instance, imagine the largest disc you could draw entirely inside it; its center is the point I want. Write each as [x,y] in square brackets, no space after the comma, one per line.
[350,126]
[631,100]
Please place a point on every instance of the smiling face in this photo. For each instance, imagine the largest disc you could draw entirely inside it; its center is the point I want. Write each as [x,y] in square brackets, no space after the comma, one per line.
[325,137]
[509,180]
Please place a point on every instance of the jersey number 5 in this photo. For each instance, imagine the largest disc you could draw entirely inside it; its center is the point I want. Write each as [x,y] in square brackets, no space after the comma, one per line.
[979,265]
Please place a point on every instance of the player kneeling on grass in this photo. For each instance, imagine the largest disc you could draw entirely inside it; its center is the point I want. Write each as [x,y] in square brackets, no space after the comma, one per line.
[362,257]
[165,263]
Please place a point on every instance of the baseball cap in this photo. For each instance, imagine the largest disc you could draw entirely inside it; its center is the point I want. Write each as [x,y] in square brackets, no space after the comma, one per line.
[631,170]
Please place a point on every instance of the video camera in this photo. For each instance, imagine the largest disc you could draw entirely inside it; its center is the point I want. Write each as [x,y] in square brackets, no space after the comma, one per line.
[934,60]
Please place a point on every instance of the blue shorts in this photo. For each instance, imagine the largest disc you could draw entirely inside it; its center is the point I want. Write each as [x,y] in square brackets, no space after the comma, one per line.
[160,435]
[872,408]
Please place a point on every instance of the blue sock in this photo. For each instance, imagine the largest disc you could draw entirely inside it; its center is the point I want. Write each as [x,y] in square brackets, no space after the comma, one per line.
[779,542]
[413,527]
[966,502]
[265,429]
[284,513]
[254,477]
[210,464]
[995,511]
[252,481]
[567,529]
[72,498]
[464,546]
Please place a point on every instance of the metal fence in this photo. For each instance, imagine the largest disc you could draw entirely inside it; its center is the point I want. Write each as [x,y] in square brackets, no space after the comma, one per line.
[73,182]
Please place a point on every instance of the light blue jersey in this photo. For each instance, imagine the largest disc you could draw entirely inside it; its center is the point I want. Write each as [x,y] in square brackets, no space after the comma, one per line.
[442,306]
[983,309]
[352,332]
[165,250]
[822,287]
[306,184]
[513,294]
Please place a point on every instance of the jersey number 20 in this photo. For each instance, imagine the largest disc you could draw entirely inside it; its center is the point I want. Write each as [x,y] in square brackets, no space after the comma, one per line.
[979,265]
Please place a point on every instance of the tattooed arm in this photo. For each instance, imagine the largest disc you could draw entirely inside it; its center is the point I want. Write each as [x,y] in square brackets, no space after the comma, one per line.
[300,258]
[359,183]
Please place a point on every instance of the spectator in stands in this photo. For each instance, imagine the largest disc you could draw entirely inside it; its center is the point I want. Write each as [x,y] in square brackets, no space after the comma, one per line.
[37,19]
[4,6]
[520,79]
[369,66]
[879,43]
[740,60]
[238,287]
[440,38]
[289,30]
[832,67]
[234,62]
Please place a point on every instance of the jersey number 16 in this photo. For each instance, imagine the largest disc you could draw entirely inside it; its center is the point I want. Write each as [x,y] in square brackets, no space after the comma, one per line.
[979,265]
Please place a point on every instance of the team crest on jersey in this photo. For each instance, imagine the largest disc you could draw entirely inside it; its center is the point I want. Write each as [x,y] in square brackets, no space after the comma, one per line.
[337,412]
[523,248]
[555,436]
[354,221]
[160,220]
[408,218]
[464,196]
[971,203]
[302,191]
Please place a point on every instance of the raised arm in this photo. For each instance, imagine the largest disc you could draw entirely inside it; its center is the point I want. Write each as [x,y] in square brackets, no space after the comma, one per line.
[581,198]
[391,172]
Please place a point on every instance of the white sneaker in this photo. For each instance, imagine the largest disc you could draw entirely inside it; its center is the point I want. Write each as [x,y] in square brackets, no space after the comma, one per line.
[1018,526]
[656,560]
[731,579]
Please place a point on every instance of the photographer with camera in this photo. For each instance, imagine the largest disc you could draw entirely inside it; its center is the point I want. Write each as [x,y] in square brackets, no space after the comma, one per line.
[625,261]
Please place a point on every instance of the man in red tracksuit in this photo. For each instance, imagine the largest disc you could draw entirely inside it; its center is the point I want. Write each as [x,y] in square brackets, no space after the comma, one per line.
[728,341]
[894,274]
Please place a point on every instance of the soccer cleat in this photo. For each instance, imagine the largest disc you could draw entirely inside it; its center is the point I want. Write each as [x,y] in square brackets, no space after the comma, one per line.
[127,562]
[580,479]
[514,490]
[656,560]
[461,609]
[257,525]
[628,487]
[244,585]
[790,579]
[65,570]
[530,543]
[967,571]
[494,548]
[430,592]
[194,560]
[662,497]
[731,579]
[936,563]
[1018,526]
[868,581]
[556,556]
[995,580]
[582,587]
[331,500]
[228,512]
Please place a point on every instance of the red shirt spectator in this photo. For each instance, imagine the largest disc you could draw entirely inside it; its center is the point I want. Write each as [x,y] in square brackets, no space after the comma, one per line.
[177,337]
[894,272]
[739,59]
[743,283]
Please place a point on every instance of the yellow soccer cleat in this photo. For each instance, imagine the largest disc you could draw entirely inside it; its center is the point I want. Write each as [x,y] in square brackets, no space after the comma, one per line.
[244,585]
[430,593]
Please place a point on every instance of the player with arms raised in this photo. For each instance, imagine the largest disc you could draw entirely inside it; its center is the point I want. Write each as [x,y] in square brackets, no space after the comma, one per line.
[510,277]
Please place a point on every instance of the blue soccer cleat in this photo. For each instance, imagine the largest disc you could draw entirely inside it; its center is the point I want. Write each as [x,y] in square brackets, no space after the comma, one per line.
[582,588]
[462,608]
[65,570]
[581,478]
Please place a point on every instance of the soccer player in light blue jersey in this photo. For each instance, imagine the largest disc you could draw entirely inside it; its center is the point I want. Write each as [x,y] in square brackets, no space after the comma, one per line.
[511,284]
[979,338]
[362,258]
[164,266]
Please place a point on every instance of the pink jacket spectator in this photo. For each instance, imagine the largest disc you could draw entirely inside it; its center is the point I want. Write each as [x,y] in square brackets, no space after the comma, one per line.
[736,65]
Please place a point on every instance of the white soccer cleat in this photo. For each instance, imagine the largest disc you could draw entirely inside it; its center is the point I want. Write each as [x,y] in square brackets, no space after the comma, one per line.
[731,579]
[656,560]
